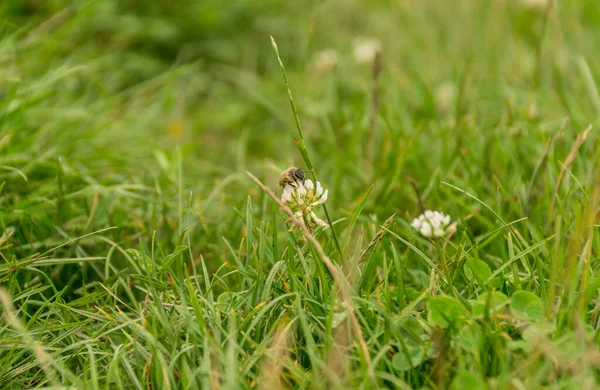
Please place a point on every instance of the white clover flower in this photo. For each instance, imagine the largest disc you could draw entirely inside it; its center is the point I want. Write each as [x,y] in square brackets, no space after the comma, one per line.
[535,5]
[325,61]
[432,223]
[365,50]
[302,198]
[445,96]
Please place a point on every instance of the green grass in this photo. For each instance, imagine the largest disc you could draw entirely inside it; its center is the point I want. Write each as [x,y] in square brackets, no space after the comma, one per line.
[137,253]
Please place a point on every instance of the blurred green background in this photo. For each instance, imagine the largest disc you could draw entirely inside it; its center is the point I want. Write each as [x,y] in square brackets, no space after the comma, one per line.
[111,96]
[145,115]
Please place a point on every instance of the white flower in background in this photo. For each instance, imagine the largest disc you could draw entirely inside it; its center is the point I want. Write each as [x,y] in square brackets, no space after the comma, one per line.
[365,50]
[535,5]
[325,60]
[302,198]
[432,223]
[533,111]
[445,96]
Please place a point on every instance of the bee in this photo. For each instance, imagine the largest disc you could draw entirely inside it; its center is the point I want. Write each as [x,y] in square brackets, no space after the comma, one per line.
[291,176]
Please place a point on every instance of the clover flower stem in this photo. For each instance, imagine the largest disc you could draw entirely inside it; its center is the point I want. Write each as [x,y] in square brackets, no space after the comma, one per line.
[441,256]
[375,105]
[302,145]
[419,198]
[308,225]
[335,239]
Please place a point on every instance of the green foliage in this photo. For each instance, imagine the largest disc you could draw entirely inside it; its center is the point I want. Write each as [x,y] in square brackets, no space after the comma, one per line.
[526,305]
[467,380]
[135,253]
[445,311]
[410,355]
[489,303]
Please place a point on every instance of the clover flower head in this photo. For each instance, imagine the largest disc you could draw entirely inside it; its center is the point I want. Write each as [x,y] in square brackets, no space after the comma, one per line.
[365,50]
[445,96]
[302,198]
[432,223]
[325,61]
[535,5]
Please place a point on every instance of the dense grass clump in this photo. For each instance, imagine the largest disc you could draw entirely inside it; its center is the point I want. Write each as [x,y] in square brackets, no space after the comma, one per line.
[143,242]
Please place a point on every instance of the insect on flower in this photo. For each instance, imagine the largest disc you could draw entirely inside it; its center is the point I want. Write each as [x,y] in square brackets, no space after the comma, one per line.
[432,223]
[291,176]
[302,196]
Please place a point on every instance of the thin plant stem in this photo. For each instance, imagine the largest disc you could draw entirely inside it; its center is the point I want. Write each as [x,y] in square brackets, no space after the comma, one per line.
[302,145]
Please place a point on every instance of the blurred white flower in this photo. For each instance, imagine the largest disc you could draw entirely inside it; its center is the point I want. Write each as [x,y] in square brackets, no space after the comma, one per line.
[533,111]
[535,5]
[365,50]
[302,198]
[325,60]
[432,223]
[445,96]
